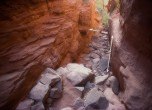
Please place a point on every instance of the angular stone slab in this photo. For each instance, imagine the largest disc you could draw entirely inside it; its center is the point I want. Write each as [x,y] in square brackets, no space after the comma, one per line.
[78,74]
[96,100]
[99,80]
[38,92]
[49,79]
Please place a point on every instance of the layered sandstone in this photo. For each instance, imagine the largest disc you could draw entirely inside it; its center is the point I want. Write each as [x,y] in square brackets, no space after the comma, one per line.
[36,34]
[132,53]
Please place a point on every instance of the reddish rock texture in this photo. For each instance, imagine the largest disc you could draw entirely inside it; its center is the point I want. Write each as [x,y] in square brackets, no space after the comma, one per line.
[35,34]
[132,53]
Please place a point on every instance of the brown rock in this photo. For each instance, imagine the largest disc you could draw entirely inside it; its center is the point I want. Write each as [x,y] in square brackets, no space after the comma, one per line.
[132,53]
[35,34]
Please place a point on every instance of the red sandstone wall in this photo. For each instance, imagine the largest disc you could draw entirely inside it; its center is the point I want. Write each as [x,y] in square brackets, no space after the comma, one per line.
[35,34]
[132,53]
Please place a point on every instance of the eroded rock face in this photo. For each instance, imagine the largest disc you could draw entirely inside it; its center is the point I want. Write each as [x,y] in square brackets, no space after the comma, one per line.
[132,53]
[35,34]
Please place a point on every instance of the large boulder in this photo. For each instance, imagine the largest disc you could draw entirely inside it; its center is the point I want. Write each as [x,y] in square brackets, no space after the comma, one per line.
[38,92]
[114,84]
[69,95]
[78,74]
[48,79]
[95,100]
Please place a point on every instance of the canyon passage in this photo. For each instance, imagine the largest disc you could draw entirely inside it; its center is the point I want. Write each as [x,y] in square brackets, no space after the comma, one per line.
[75,55]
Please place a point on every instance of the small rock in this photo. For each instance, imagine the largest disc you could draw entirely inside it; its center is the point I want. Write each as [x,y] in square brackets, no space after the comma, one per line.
[103,64]
[104,32]
[38,92]
[26,104]
[96,100]
[38,106]
[67,108]
[99,80]
[114,84]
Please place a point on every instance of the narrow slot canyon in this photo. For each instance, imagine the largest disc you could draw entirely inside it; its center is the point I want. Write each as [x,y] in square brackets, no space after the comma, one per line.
[75,54]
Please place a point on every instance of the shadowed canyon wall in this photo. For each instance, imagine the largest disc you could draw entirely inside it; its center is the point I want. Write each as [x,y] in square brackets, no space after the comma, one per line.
[132,53]
[35,34]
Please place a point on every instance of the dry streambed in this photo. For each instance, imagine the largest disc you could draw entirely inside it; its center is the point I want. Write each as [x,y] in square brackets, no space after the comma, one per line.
[76,86]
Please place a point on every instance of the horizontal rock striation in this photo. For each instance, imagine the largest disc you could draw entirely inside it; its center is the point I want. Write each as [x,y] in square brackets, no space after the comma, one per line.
[36,34]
